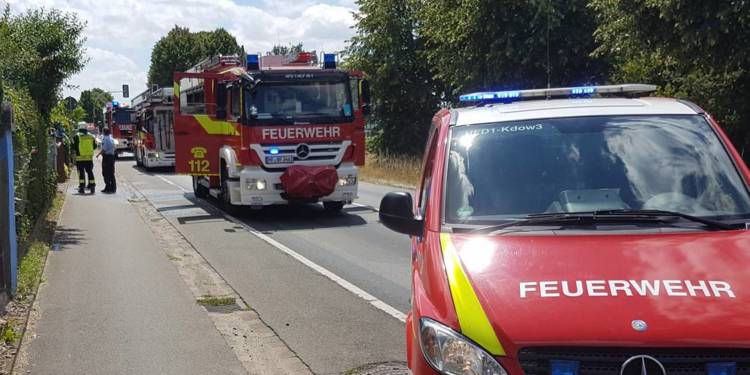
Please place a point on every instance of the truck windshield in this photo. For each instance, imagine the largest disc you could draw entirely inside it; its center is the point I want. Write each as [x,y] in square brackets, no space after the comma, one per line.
[508,170]
[316,101]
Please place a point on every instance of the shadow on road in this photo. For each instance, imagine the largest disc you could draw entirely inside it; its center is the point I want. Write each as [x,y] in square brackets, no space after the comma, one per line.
[65,236]
[281,218]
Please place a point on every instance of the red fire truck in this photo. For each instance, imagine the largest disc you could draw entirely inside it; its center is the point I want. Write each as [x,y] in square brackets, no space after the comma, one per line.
[270,130]
[153,140]
[121,120]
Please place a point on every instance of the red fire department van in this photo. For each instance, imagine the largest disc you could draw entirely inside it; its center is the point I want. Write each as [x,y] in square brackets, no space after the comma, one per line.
[121,121]
[271,130]
[153,139]
[577,231]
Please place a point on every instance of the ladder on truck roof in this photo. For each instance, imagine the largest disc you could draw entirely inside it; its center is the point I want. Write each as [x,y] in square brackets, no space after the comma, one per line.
[213,62]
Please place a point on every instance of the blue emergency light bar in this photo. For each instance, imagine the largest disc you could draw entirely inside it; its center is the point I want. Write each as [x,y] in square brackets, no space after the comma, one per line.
[115,104]
[329,61]
[253,62]
[508,96]
[722,368]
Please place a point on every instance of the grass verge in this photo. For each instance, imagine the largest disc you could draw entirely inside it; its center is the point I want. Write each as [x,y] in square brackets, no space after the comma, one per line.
[216,301]
[32,264]
[401,171]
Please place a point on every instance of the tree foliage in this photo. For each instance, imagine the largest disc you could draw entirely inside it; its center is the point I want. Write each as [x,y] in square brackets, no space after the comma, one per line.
[92,102]
[39,50]
[487,44]
[692,49]
[180,49]
[403,92]
[282,50]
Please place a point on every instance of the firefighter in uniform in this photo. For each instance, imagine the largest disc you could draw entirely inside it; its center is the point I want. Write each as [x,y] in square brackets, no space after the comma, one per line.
[84,145]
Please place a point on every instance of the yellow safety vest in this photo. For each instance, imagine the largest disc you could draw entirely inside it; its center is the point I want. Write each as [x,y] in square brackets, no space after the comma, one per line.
[86,146]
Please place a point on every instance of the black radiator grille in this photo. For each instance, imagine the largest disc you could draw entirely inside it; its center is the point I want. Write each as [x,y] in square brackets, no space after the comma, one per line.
[608,361]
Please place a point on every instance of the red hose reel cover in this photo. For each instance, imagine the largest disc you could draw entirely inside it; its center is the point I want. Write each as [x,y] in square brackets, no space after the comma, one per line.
[307,182]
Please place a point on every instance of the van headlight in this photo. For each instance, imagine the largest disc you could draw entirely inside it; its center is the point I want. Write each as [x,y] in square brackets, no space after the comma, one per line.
[255,184]
[451,353]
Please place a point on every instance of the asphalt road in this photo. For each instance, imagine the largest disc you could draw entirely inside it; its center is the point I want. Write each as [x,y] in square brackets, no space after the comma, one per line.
[353,246]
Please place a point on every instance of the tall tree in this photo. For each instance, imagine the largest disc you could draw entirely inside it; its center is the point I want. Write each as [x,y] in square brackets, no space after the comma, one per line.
[486,44]
[39,50]
[404,95]
[692,49]
[180,49]
[93,102]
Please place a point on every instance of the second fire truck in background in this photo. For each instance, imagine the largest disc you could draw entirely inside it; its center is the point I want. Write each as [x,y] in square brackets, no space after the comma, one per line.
[153,140]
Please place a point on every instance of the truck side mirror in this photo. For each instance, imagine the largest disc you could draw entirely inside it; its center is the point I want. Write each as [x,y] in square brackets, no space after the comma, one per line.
[221,101]
[365,95]
[396,214]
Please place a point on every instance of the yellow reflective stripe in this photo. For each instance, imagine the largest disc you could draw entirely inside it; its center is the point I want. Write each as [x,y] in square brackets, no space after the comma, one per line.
[471,316]
[176,89]
[214,127]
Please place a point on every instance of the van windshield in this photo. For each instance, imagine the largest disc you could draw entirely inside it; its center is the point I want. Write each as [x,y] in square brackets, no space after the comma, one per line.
[508,170]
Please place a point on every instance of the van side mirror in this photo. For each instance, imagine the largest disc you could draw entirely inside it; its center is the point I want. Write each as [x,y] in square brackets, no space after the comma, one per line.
[397,215]
[221,101]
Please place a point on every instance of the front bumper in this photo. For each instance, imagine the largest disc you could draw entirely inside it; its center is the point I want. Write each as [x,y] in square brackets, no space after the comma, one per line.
[273,194]
[151,160]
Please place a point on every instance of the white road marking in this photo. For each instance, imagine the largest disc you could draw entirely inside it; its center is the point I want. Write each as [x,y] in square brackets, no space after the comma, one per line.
[374,301]
[173,184]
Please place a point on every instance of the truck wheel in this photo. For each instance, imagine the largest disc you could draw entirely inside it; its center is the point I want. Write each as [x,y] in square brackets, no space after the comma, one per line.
[226,197]
[199,190]
[333,206]
[138,159]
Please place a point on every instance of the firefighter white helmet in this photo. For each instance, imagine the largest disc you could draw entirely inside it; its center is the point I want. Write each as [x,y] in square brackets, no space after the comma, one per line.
[81,125]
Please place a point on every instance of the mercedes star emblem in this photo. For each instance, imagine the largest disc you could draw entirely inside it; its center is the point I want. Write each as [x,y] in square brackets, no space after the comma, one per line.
[639,325]
[303,151]
[643,365]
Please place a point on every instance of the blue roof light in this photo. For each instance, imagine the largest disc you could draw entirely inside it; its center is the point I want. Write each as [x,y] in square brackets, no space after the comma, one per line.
[253,62]
[274,150]
[492,95]
[329,61]
[585,90]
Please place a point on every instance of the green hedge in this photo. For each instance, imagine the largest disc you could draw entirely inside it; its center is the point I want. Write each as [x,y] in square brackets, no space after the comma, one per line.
[35,180]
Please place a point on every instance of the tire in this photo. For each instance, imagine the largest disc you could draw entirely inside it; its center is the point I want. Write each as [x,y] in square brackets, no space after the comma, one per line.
[333,206]
[199,190]
[138,160]
[226,200]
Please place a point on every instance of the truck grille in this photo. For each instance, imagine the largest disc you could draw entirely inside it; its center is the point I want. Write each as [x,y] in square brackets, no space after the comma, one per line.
[318,150]
[609,361]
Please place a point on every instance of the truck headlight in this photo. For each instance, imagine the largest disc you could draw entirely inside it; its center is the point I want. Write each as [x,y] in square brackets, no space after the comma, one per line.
[255,184]
[349,180]
[451,353]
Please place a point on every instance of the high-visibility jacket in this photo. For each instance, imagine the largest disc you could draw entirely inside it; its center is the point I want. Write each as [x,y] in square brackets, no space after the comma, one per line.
[84,145]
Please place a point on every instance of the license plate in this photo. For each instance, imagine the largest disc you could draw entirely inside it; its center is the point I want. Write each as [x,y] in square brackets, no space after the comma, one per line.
[279,159]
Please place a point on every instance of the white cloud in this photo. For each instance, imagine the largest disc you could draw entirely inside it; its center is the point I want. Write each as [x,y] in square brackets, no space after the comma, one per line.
[121,33]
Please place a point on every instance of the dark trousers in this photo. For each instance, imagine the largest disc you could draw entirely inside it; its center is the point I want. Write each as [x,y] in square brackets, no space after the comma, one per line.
[108,171]
[85,168]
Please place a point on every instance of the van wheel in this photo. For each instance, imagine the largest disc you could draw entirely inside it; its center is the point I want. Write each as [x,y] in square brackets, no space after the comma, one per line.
[333,206]
[226,197]
[199,190]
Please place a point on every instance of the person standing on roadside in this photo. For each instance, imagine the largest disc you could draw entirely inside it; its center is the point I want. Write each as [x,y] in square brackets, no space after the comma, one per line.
[83,146]
[108,163]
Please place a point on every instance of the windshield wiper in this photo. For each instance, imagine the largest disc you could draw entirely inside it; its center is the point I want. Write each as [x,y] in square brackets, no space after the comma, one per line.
[713,224]
[602,216]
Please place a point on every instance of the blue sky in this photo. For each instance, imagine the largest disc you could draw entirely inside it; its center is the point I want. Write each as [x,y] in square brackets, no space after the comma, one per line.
[121,33]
